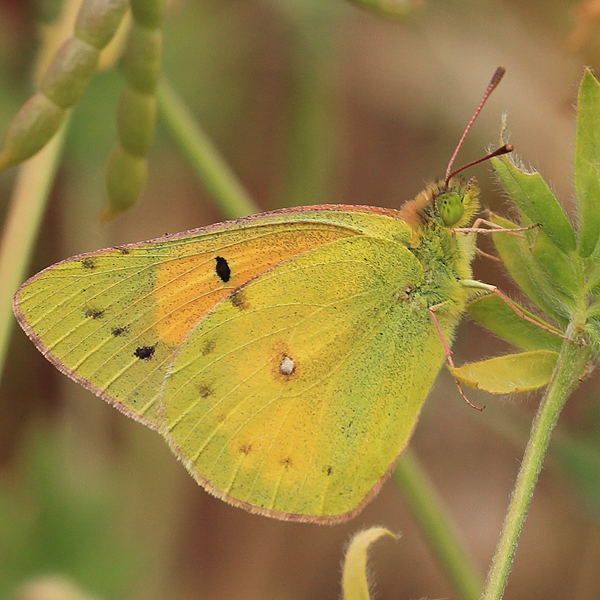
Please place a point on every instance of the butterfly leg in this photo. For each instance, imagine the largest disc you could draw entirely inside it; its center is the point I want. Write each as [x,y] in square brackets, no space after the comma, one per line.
[470,283]
[480,252]
[448,353]
[493,228]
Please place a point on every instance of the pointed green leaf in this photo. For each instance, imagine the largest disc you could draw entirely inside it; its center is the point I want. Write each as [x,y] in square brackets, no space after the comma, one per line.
[533,196]
[492,312]
[592,328]
[510,373]
[354,579]
[587,160]
[593,280]
[590,197]
[556,264]
[527,273]
[593,195]
[592,272]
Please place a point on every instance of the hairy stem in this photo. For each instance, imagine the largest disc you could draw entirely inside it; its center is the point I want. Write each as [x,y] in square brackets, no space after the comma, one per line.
[571,365]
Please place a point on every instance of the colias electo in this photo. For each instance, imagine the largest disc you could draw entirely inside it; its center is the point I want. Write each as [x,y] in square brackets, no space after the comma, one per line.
[285,357]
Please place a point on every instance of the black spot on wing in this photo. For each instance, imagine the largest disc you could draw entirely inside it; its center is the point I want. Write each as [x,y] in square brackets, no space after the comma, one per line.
[238,299]
[88,263]
[205,390]
[246,448]
[222,269]
[209,346]
[144,352]
[348,431]
[286,462]
[119,331]
[94,313]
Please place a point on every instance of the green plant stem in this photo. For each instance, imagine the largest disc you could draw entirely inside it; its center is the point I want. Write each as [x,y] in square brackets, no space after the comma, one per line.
[25,213]
[314,151]
[219,179]
[436,526]
[571,365]
[399,10]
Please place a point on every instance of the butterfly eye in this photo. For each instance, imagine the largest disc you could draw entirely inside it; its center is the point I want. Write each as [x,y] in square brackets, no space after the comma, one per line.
[450,208]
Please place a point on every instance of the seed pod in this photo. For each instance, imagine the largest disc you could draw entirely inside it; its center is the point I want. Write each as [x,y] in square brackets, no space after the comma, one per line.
[137,106]
[136,117]
[148,13]
[125,176]
[141,61]
[64,81]
[98,20]
[69,73]
[31,128]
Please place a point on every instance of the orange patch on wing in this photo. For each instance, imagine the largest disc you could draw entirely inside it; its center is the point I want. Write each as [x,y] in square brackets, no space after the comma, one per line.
[188,286]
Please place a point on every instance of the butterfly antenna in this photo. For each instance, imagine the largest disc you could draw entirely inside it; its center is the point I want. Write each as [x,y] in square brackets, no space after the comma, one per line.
[499,73]
[503,150]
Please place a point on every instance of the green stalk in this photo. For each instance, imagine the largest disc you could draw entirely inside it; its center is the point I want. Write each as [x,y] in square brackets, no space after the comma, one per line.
[28,203]
[398,10]
[226,190]
[571,365]
[437,528]
[314,151]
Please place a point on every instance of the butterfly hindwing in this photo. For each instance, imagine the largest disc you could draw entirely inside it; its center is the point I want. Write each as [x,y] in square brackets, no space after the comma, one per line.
[297,392]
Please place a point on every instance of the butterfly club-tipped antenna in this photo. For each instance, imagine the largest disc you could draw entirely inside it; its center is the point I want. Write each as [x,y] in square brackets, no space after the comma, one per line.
[498,74]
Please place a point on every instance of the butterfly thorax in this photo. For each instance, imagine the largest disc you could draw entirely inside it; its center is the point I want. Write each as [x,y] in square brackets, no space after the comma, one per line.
[445,255]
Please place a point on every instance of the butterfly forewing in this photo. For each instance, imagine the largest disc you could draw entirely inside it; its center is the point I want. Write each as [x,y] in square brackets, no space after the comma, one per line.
[113,319]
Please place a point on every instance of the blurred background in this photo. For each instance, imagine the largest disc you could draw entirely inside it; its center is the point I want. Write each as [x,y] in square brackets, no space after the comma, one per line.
[309,101]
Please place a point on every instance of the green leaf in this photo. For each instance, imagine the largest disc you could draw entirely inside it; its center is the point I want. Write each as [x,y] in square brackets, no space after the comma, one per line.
[587,160]
[510,373]
[527,273]
[592,197]
[492,312]
[593,281]
[556,264]
[592,328]
[354,578]
[533,196]
[559,273]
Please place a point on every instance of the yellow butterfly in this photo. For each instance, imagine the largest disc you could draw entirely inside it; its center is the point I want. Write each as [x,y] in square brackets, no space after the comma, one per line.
[285,357]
